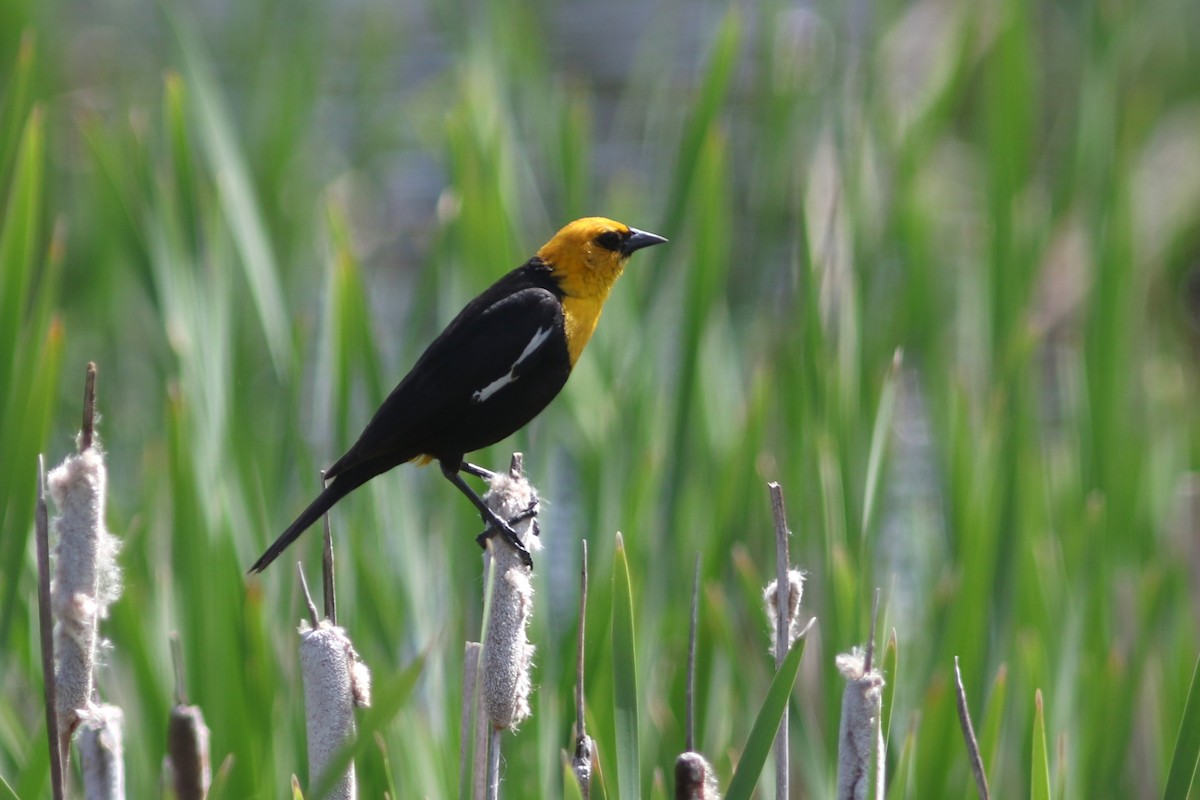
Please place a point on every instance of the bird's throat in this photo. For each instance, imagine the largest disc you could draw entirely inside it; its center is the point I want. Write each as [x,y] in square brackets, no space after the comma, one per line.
[581,315]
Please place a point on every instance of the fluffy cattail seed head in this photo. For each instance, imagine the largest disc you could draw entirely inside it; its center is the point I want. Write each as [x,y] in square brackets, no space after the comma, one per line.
[771,598]
[335,681]
[507,653]
[694,778]
[86,579]
[860,737]
[102,753]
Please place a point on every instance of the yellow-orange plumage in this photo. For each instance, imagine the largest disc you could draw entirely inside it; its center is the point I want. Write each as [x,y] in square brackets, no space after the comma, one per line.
[586,272]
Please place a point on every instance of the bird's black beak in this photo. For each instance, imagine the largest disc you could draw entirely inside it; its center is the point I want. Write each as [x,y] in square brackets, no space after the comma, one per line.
[639,239]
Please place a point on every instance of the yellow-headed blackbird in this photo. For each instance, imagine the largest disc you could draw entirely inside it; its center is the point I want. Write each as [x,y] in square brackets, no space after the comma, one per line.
[492,370]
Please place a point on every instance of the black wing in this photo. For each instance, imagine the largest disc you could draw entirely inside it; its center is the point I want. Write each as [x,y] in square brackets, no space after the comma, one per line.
[459,391]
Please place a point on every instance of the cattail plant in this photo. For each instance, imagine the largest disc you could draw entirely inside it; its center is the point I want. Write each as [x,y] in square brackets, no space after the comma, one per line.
[860,736]
[474,728]
[791,618]
[187,769]
[968,732]
[102,753]
[45,631]
[503,682]
[782,597]
[187,765]
[507,653]
[85,583]
[695,778]
[86,578]
[335,682]
[581,760]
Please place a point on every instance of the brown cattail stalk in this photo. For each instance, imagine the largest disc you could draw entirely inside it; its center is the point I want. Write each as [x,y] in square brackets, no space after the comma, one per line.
[784,616]
[46,633]
[968,731]
[581,761]
[473,726]
[695,778]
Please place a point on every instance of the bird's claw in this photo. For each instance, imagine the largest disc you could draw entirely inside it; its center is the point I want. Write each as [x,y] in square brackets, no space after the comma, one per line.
[528,512]
[512,538]
[505,529]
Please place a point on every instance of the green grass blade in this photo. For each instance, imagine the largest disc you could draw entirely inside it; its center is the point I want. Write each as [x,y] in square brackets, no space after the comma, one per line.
[6,791]
[901,778]
[992,729]
[762,734]
[879,439]
[381,743]
[21,440]
[704,287]
[891,665]
[26,390]
[710,96]
[15,106]
[349,349]
[1040,768]
[571,790]
[1187,745]
[20,236]
[624,666]
[238,200]
[183,167]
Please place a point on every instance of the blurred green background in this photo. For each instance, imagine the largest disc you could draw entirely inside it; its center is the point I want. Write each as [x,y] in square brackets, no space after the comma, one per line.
[253,217]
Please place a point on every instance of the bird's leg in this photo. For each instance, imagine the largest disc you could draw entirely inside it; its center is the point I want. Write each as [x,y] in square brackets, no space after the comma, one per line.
[476,470]
[487,475]
[489,516]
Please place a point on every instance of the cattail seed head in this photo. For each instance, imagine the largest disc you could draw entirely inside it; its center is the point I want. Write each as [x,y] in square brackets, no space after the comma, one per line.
[581,764]
[335,681]
[860,737]
[507,653]
[86,578]
[102,753]
[187,765]
[695,778]
[771,598]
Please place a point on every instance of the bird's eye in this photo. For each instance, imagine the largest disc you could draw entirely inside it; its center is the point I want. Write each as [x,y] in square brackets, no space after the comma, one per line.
[609,240]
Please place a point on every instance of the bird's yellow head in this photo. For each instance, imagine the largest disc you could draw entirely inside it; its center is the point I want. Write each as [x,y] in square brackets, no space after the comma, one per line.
[586,258]
[588,255]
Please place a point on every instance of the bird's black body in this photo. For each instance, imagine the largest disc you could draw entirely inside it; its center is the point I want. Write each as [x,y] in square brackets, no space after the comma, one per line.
[492,370]
[434,412]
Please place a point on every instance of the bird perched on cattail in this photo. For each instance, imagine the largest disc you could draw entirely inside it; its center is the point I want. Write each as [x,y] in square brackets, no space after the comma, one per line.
[492,370]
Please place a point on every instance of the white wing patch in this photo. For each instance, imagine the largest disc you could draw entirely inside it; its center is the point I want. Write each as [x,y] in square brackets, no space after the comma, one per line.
[537,341]
[538,338]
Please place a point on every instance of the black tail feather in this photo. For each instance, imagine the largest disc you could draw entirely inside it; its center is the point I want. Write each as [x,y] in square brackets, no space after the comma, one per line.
[342,485]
